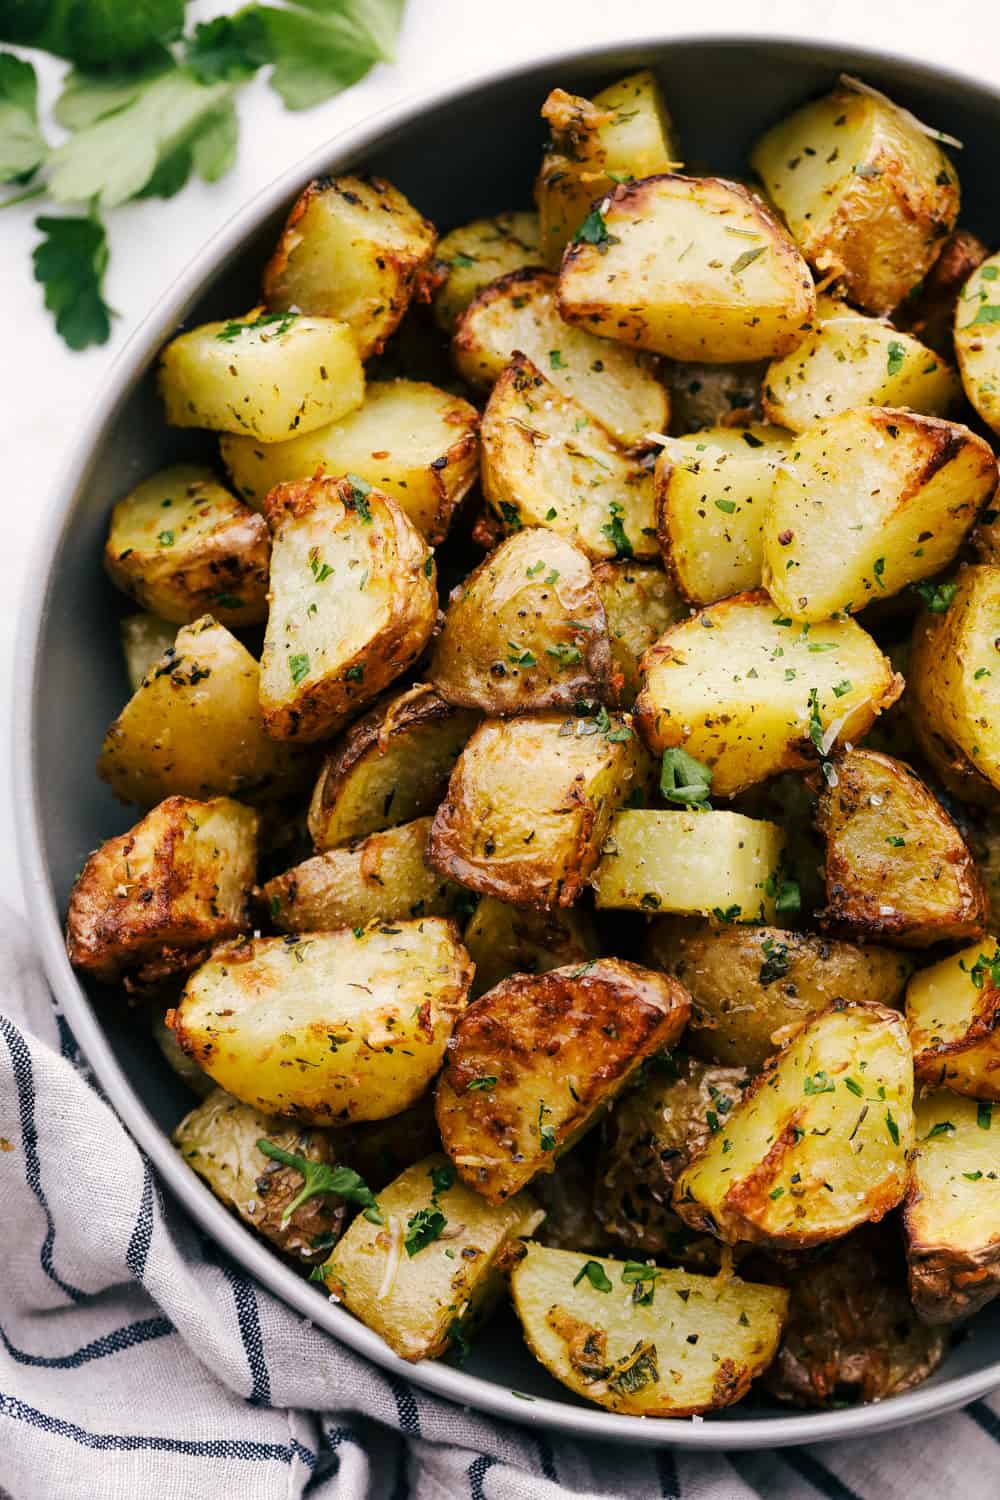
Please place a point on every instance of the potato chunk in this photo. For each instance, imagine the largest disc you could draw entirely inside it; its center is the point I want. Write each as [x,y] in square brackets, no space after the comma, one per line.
[751,987]
[693,863]
[819,1143]
[868,502]
[391,766]
[977,340]
[149,902]
[865,191]
[526,630]
[429,1272]
[408,438]
[695,268]
[518,312]
[529,803]
[352,249]
[534,1062]
[546,462]
[333,1028]
[953,1011]
[269,375]
[503,940]
[353,604]
[475,254]
[748,693]
[145,637]
[670,1344]
[181,545]
[897,868]
[952,1214]
[640,602]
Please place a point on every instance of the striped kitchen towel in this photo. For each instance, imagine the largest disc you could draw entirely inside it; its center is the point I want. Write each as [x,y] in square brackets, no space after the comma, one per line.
[136,1361]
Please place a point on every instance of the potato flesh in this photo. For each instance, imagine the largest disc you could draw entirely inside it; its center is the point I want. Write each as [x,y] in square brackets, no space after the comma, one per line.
[952,1010]
[695,1347]
[332,1028]
[639,601]
[478,253]
[272,379]
[145,637]
[692,863]
[503,940]
[977,340]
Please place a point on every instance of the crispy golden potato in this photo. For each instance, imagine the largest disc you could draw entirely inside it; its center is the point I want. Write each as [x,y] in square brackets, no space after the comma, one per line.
[713,489]
[643,1340]
[865,191]
[186,1069]
[977,340]
[409,439]
[180,545]
[897,868]
[390,767]
[428,1272]
[952,1214]
[819,1143]
[271,375]
[353,604]
[332,1028]
[748,693]
[953,1010]
[713,395]
[526,630]
[533,1063]
[546,462]
[352,248]
[145,637]
[518,313]
[475,254]
[750,987]
[503,940]
[529,803]
[868,502]
[640,602]
[929,310]
[151,901]
[695,268]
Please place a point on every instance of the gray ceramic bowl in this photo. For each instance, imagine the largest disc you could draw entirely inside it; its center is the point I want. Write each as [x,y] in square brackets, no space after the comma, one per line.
[461,152]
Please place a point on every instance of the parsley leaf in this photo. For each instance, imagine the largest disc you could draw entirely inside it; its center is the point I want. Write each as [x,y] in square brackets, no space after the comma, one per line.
[93,33]
[299,667]
[595,1274]
[320,47]
[988,313]
[319,1177]
[22,146]
[897,357]
[228,49]
[70,263]
[616,533]
[683,779]
[442,1178]
[594,231]
[937,596]
[422,1229]
[486,1082]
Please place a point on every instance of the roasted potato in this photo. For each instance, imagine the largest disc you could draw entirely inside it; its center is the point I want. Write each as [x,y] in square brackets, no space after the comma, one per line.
[641,1339]
[518,313]
[897,868]
[151,901]
[929,310]
[866,192]
[953,1010]
[390,767]
[353,603]
[271,375]
[704,395]
[503,940]
[820,1141]
[526,630]
[408,438]
[748,693]
[529,803]
[750,987]
[695,268]
[145,637]
[428,1270]
[352,248]
[546,462]
[977,340]
[868,502]
[475,254]
[332,1028]
[640,602]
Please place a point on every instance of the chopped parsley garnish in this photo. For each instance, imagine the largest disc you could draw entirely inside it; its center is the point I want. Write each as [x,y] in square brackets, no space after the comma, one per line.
[878,568]
[566,656]
[615,532]
[746,259]
[897,357]
[319,1177]
[595,1274]
[854,1087]
[278,322]
[942,1127]
[486,1082]
[594,231]
[642,1279]
[840,688]
[988,313]
[818,1083]
[360,490]
[442,1178]
[546,1134]
[728,506]
[556,360]
[519,656]
[299,667]
[166,538]
[984,967]
[510,514]
[937,596]
[776,962]
[355,673]
[683,779]
[892,1127]
[422,1229]
[984,1114]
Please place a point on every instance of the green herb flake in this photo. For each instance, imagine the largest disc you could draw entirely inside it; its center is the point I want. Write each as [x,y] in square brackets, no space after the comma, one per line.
[892,1127]
[165,538]
[818,1083]
[595,1274]
[319,1177]
[488,1081]
[442,1178]
[728,506]
[937,596]
[594,231]
[746,259]
[298,666]
[615,531]
[422,1229]
[556,361]
[984,1114]
[897,357]
[684,780]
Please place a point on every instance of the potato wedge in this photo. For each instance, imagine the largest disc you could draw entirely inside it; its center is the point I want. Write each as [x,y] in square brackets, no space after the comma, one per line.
[271,375]
[819,1143]
[353,604]
[529,803]
[704,395]
[690,862]
[640,602]
[408,438]
[929,310]
[181,545]
[713,490]
[145,637]
[333,1028]
[390,767]
[420,1292]
[535,1062]
[952,1213]
[475,254]
[695,268]
[518,313]
[977,340]
[868,502]
[546,462]
[865,191]
[668,1344]
[953,1011]
[503,940]
[897,868]
[526,630]
[748,693]
[149,903]
[352,248]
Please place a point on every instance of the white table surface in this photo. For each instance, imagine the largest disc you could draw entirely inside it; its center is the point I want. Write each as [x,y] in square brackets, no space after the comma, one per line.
[45,390]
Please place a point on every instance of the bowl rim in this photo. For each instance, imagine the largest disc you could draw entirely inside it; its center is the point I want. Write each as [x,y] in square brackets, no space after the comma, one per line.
[456,1385]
